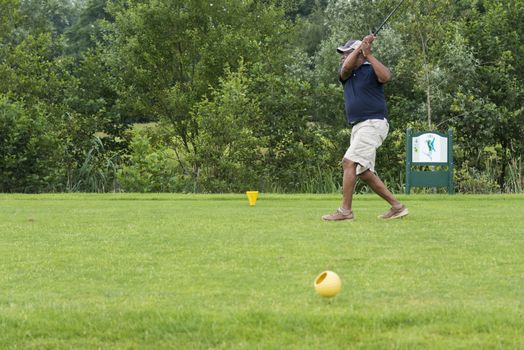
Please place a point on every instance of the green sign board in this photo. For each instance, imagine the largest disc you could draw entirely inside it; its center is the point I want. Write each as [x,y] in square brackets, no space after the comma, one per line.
[429,149]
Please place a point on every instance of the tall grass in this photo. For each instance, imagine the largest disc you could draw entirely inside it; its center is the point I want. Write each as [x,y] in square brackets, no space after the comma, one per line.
[514,178]
[322,181]
[98,172]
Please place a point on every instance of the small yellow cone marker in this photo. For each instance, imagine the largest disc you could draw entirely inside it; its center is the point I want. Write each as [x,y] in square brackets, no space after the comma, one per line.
[252,197]
[328,284]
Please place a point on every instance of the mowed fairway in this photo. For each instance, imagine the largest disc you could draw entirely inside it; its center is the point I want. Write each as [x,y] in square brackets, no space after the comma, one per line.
[130,271]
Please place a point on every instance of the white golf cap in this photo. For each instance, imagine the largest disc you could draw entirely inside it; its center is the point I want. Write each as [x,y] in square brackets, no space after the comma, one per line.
[350,45]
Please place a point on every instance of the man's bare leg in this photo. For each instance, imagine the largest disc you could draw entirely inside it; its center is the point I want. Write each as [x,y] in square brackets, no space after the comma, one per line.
[348,186]
[379,188]
[397,210]
[349,180]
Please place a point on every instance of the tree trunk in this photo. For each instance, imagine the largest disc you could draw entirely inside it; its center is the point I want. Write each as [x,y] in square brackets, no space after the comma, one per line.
[427,75]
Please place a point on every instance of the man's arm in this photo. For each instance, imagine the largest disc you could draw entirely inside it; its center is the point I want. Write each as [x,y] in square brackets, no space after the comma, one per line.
[381,71]
[349,64]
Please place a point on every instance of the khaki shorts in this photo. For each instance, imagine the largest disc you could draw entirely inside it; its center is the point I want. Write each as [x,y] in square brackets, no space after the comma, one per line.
[366,138]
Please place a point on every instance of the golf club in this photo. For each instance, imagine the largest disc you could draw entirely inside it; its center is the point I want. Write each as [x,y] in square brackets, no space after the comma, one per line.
[375,32]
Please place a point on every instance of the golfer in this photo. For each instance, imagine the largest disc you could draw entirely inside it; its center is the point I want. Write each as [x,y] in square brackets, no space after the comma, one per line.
[363,77]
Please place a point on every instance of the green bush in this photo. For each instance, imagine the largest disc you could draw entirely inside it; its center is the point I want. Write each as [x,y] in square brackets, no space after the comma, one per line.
[31,149]
[151,167]
[470,180]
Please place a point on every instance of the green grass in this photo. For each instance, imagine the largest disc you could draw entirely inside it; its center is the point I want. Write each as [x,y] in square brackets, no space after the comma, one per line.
[209,272]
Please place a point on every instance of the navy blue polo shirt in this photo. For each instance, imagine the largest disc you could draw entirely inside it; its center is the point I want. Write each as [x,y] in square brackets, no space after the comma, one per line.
[364,95]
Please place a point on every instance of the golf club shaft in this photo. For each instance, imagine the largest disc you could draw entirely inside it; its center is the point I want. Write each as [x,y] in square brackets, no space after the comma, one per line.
[387,18]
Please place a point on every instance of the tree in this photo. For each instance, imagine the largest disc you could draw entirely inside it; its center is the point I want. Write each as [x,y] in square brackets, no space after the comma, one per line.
[89,28]
[231,157]
[166,56]
[9,16]
[497,37]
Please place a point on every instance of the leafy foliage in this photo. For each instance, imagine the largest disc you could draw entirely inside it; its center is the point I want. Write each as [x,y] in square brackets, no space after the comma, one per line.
[31,148]
[150,168]
[244,94]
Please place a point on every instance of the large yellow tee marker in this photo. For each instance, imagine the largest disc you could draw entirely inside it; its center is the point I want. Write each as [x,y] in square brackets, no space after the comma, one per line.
[252,197]
[328,284]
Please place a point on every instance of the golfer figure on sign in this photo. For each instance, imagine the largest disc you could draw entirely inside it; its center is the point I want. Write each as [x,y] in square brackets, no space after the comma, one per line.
[363,77]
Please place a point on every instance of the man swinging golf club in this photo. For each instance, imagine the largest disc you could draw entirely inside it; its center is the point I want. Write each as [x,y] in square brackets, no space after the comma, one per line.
[363,77]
